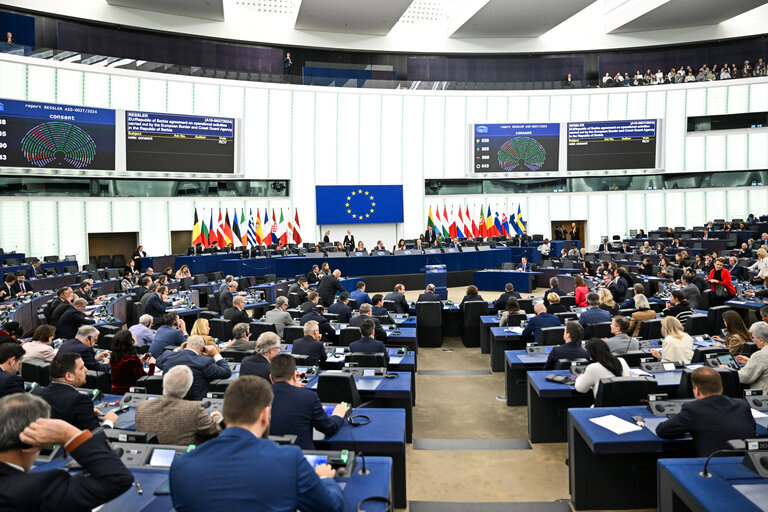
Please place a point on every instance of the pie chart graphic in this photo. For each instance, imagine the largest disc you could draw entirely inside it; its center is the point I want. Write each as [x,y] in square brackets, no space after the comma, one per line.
[57,144]
[522,154]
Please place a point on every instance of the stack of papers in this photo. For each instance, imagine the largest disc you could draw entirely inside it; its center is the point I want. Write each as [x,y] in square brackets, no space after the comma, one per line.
[615,424]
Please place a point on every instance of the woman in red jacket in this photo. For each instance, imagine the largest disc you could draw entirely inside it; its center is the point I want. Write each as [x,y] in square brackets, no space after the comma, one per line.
[580,292]
[125,365]
[720,277]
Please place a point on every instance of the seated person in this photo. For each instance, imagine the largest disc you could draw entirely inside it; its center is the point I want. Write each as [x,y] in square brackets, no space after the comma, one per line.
[607,302]
[366,312]
[367,344]
[11,357]
[73,318]
[237,312]
[554,304]
[524,265]
[398,297]
[554,287]
[40,347]
[329,333]
[126,366]
[341,308]
[690,290]
[310,345]
[581,291]
[172,333]
[513,307]
[429,294]
[755,370]
[621,343]
[644,312]
[241,338]
[736,333]
[142,331]
[712,419]
[678,307]
[26,430]
[63,306]
[472,295]
[155,304]
[604,365]
[677,344]
[205,361]
[267,347]
[242,449]
[85,291]
[359,294]
[378,310]
[542,319]
[300,288]
[279,316]
[173,419]
[571,349]
[313,299]
[82,344]
[67,373]
[629,302]
[296,410]
[594,315]
[503,300]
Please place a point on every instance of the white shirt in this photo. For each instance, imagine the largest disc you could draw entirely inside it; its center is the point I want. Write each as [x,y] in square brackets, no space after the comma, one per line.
[545,248]
[590,379]
[762,267]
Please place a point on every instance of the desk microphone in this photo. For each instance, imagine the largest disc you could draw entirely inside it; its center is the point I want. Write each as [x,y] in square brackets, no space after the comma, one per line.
[735,442]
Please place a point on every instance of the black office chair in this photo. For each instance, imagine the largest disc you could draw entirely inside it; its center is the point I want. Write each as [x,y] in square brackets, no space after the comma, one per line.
[390,306]
[470,333]
[715,316]
[657,307]
[565,364]
[650,329]
[89,267]
[293,300]
[302,360]
[429,323]
[748,348]
[598,330]
[118,260]
[108,329]
[507,265]
[551,336]
[337,388]
[697,324]
[41,319]
[292,333]
[105,342]
[566,317]
[98,380]
[221,328]
[633,357]
[213,304]
[348,335]
[35,370]
[730,379]
[70,269]
[627,312]
[186,283]
[353,304]
[243,284]
[103,261]
[514,319]
[568,301]
[526,305]
[366,360]
[236,355]
[152,383]
[700,353]
[259,328]
[624,391]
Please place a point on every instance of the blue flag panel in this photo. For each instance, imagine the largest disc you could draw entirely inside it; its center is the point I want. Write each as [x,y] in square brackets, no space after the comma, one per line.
[359,204]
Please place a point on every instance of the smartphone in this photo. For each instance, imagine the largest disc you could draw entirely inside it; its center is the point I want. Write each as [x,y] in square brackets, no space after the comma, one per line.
[121,408]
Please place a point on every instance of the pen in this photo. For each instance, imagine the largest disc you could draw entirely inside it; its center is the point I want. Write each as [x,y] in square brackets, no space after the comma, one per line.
[139,490]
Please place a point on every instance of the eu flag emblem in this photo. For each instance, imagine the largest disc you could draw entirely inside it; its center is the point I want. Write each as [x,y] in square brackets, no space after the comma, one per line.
[359,204]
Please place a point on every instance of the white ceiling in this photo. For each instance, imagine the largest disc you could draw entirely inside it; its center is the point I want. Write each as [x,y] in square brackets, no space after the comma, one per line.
[206,9]
[519,18]
[670,14]
[375,17]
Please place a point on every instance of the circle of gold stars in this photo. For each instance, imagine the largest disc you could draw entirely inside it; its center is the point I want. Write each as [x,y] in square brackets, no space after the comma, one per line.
[366,209]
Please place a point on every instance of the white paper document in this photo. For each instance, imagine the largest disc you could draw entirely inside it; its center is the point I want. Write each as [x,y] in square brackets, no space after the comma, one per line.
[756,493]
[615,424]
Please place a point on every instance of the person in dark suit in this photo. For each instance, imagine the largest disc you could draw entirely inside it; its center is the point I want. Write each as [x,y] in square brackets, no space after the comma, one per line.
[226,297]
[136,257]
[237,312]
[82,345]
[6,290]
[429,295]
[85,291]
[472,295]
[11,357]
[61,308]
[574,231]
[156,303]
[267,347]
[554,284]
[316,314]
[20,287]
[736,270]
[398,297]
[310,345]
[205,361]
[594,315]
[313,299]
[368,344]
[242,449]
[328,287]
[35,269]
[571,349]
[26,420]
[378,311]
[314,276]
[430,236]
[713,418]
[619,286]
[68,372]
[541,320]
[341,308]
[73,319]
[366,311]
[300,289]
[524,265]
[144,288]
[62,295]
[509,291]
[349,241]
[296,410]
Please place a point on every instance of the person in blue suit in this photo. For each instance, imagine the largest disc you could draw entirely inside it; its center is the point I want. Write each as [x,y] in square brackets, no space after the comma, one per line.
[367,344]
[173,333]
[34,270]
[156,303]
[310,345]
[524,265]
[594,315]
[296,410]
[204,360]
[11,356]
[541,320]
[316,314]
[359,295]
[571,349]
[233,462]
[341,308]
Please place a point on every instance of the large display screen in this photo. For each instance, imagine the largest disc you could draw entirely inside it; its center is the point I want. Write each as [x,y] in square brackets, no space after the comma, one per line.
[179,143]
[511,148]
[46,135]
[607,145]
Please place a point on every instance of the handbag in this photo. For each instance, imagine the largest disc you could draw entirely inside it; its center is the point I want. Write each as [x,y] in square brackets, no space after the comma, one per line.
[721,291]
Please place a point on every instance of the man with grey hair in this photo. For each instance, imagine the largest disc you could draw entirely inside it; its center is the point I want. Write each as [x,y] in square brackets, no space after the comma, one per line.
[755,367]
[25,429]
[205,361]
[240,338]
[594,315]
[366,312]
[82,344]
[429,295]
[554,287]
[72,319]
[279,316]
[223,287]
[267,347]
[310,345]
[629,302]
[142,331]
[173,419]
[237,312]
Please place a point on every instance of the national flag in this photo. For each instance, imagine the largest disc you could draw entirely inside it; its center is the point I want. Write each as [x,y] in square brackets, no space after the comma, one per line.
[505,223]
[196,234]
[468,232]
[282,235]
[257,228]
[481,224]
[446,223]
[296,228]
[273,229]
[213,236]
[228,234]
[266,238]
[438,222]
[252,239]
[243,228]
[452,228]
[430,219]
[237,239]
[519,222]
[222,239]
[497,225]
[475,228]
[489,228]
[460,229]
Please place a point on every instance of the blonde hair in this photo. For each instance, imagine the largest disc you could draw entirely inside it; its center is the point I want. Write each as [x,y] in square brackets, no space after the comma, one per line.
[606,297]
[200,327]
[761,253]
[671,326]
[553,298]
[641,302]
